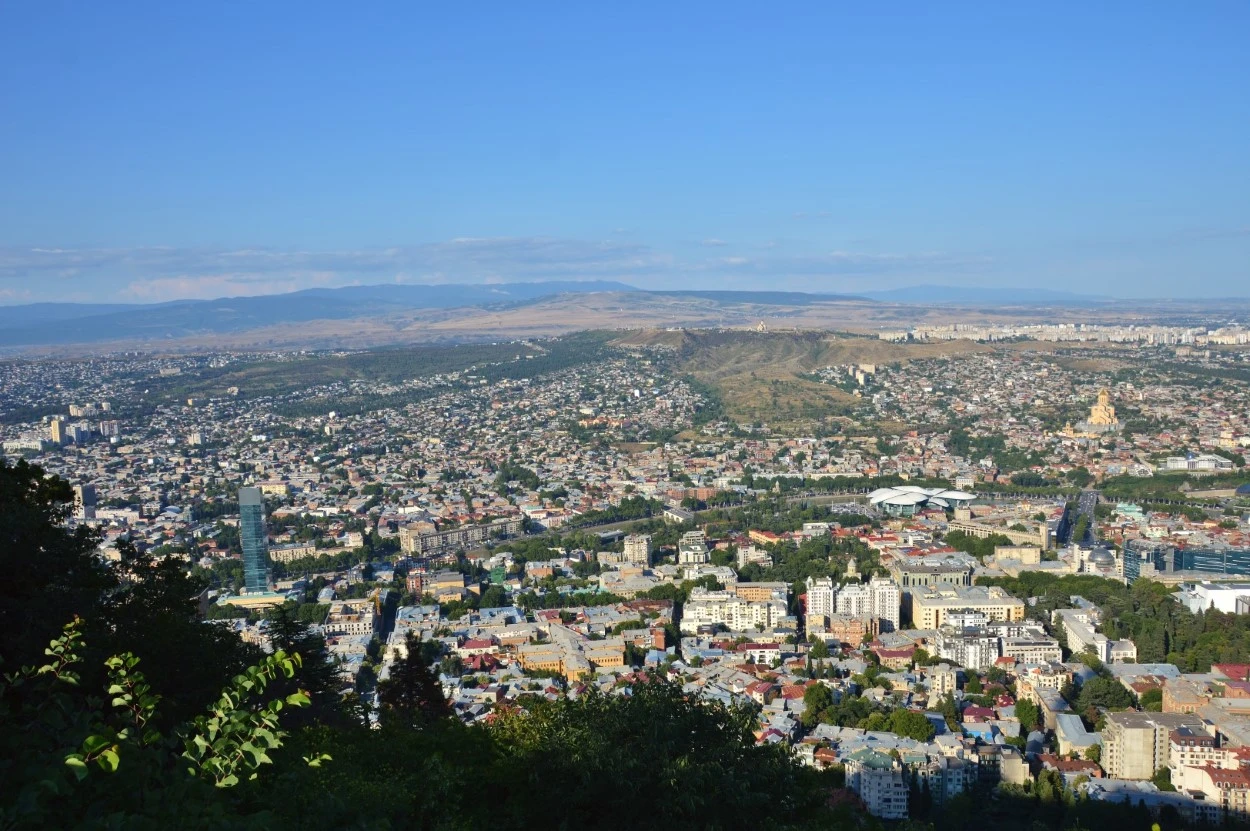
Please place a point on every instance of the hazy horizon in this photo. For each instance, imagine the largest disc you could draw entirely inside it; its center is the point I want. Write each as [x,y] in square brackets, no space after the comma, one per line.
[907,294]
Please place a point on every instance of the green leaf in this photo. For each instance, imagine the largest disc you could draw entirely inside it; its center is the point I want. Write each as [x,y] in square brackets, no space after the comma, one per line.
[77,765]
[315,761]
[298,699]
[109,761]
[93,744]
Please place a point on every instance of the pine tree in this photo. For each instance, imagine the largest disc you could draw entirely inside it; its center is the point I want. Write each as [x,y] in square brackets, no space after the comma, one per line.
[318,675]
[411,695]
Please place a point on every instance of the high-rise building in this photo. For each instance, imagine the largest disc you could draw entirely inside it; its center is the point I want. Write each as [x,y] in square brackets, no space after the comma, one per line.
[56,431]
[854,600]
[79,432]
[886,602]
[84,501]
[254,539]
[1135,745]
[821,596]
[638,549]
[878,599]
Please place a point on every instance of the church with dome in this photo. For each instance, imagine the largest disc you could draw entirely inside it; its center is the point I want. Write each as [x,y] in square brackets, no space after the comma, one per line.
[1102,419]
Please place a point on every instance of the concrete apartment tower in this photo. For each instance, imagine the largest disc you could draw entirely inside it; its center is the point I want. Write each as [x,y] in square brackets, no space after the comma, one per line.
[84,501]
[254,539]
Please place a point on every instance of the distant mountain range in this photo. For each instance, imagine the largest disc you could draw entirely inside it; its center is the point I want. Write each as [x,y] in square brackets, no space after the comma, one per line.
[33,325]
[59,324]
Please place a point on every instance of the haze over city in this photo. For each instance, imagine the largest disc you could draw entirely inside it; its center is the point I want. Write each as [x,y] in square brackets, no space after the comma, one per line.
[695,417]
[171,152]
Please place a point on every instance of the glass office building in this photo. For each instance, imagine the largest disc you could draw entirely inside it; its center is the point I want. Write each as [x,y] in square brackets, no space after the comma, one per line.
[254,540]
[1207,560]
[1132,565]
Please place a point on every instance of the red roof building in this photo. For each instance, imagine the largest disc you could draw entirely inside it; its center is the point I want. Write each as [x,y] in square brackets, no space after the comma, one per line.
[1233,672]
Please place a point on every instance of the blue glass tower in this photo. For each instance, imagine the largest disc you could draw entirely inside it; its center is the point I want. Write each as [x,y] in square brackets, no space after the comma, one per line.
[1229,561]
[254,539]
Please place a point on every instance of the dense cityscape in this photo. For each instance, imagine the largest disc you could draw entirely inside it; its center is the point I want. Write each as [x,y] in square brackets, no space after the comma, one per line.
[1006,568]
[820,417]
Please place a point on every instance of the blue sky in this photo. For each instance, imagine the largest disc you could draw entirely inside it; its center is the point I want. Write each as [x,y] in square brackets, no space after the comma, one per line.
[166,150]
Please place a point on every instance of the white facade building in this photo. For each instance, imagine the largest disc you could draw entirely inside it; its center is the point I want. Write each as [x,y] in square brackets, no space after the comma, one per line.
[1199,597]
[854,600]
[970,648]
[887,602]
[1078,628]
[879,781]
[879,599]
[724,608]
[821,596]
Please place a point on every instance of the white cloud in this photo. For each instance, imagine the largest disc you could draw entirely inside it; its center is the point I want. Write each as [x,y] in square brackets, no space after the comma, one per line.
[208,287]
[848,264]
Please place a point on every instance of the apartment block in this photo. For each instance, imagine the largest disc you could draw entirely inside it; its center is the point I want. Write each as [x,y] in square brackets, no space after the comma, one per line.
[418,540]
[732,611]
[352,617]
[638,549]
[1135,745]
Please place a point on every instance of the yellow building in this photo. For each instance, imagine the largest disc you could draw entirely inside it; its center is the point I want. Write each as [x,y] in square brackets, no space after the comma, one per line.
[931,604]
[760,592]
[572,658]
[295,551]
[1102,414]
[256,600]
[543,657]
[1102,419]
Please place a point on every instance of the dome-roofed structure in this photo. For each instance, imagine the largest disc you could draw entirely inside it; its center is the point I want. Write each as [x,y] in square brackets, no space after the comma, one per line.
[1102,557]
[906,500]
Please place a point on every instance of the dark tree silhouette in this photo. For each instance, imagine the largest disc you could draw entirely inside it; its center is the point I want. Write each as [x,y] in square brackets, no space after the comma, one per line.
[50,573]
[411,695]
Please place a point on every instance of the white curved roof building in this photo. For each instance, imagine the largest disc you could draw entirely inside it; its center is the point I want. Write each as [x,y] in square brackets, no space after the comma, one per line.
[906,500]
